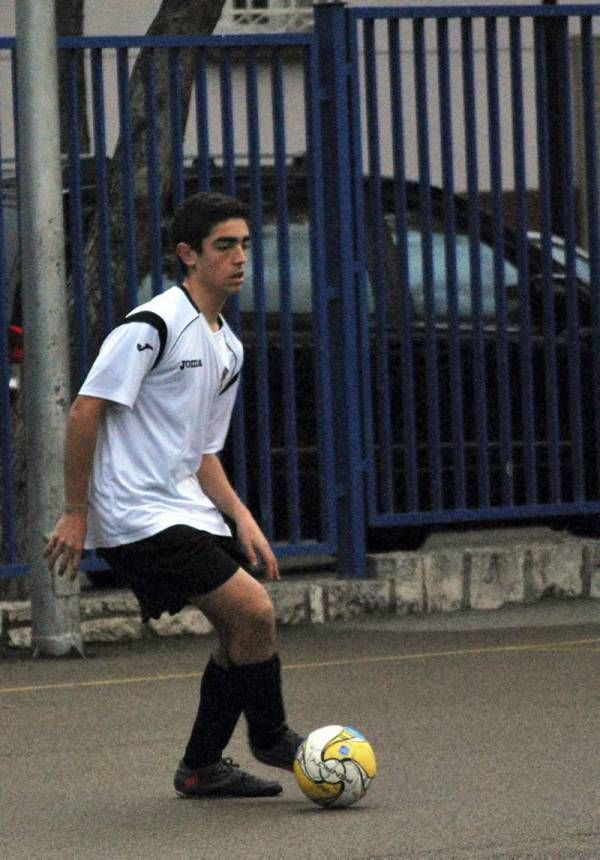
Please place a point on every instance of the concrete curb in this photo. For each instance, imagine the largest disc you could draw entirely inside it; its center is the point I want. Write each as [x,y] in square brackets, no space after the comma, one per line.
[442,578]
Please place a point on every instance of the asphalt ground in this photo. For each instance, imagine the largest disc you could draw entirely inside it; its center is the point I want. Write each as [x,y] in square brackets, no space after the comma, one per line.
[485,727]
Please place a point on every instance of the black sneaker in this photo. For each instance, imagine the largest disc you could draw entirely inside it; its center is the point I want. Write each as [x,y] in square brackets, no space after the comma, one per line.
[281,754]
[223,779]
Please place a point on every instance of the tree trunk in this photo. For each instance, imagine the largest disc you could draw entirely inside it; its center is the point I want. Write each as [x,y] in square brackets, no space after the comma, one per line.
[175,17]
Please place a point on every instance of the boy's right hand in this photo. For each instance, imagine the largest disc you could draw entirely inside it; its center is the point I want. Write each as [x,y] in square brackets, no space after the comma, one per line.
[65,544]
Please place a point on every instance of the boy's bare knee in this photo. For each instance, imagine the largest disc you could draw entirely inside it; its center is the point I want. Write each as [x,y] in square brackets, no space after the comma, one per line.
[259,624]
[243,615]
[265,616]
[254,636]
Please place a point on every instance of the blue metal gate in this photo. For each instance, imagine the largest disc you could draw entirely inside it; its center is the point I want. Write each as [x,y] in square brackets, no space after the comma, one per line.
[477,374]
[414,354]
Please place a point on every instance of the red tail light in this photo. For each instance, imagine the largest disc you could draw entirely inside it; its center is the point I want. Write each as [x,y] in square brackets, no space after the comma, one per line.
[15,344]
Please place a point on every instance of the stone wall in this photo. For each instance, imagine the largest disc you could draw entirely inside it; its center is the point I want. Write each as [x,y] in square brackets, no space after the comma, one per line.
[443,579]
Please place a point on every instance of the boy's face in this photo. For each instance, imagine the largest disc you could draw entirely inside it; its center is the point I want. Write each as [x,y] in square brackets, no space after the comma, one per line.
[220,266]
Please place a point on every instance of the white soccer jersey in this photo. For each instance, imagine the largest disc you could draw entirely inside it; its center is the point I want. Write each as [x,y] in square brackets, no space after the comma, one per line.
[172,383]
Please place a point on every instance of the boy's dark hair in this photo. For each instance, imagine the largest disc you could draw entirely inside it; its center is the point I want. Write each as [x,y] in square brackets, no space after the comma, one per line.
[197,215]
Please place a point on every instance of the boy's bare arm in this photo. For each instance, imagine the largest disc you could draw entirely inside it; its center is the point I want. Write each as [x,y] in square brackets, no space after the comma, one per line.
[215,484]
[65,544]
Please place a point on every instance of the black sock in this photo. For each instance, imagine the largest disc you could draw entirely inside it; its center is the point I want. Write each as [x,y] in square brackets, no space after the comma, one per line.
[218,712]
[260,687]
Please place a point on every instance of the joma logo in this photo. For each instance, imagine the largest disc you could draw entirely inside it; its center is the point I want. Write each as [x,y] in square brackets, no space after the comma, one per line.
[194,362]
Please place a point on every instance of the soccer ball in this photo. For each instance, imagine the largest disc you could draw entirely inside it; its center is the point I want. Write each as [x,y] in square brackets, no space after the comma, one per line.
[334,766]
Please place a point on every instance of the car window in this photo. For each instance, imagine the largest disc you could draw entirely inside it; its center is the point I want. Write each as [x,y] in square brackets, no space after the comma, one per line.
[463,274]
[582,266]
[300,274]
[301,281]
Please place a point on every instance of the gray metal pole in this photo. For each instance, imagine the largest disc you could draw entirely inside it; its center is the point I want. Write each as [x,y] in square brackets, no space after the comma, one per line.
[54,601]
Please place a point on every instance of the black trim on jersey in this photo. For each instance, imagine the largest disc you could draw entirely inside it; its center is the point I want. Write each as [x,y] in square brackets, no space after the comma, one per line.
[190,299]
[230,383]
[157,323]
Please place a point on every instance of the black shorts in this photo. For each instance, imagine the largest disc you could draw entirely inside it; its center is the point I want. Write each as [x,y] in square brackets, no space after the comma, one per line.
[166,570]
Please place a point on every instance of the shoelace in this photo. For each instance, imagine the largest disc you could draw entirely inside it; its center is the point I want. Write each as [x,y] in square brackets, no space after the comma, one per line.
[229,764]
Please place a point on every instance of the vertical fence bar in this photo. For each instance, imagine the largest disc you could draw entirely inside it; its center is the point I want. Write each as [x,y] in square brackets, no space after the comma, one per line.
[285,289]
[331,25]
[127,175]
[474,228]
[154,206]
[16,135]
[177,129]
[364,287]
[447,146]
[503,370]
[547,285]
[76,239]
[263,434]
[227,122]
[588,81]
[525,342]
[202,134]
[102,209]
[228,147]
[240,473]
[431,351]
[572,289]
[314,97]
[377,271]
[6,441]
[11,536]
[402,303]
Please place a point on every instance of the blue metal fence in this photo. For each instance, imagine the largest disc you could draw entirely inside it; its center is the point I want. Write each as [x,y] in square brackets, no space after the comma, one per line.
[413,355]
[480,347]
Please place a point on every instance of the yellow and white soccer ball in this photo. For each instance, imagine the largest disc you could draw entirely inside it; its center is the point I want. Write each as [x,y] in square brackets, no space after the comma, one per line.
[334,766]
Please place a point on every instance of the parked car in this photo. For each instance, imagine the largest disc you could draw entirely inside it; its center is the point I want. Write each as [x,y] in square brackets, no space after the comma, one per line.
[305,348]
[421,339]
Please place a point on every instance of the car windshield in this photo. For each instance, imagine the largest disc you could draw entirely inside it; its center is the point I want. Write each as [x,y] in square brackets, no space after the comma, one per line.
[463,274]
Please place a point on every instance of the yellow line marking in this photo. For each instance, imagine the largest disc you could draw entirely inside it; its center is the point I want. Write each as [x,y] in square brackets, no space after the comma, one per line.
[108,682]
[350,661]
[465,652]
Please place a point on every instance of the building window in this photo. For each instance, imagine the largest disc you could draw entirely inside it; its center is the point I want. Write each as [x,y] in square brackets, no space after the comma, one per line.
[266,16]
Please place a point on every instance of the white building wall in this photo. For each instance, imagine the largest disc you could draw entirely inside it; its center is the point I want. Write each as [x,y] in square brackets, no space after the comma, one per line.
[114,17]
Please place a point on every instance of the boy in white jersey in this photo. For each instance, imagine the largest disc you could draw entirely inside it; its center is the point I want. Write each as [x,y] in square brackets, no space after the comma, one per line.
[145,487]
